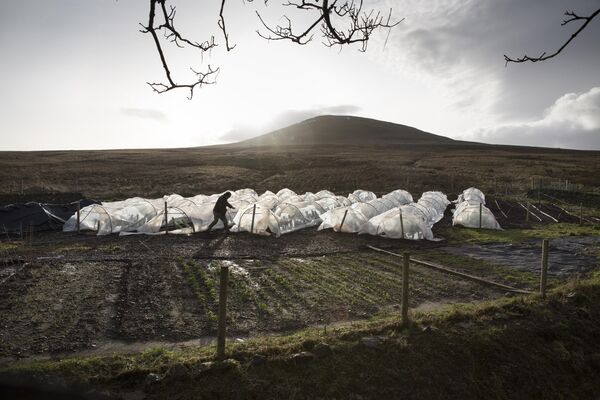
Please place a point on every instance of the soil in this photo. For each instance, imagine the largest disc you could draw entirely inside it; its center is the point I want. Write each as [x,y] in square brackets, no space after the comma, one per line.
[67,293]
[567,256]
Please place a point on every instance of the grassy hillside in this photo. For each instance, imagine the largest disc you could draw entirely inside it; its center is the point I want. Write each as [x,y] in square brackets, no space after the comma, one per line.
[368,154]
[152,173]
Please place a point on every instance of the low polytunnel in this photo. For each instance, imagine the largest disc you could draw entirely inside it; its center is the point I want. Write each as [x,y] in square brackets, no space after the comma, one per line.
[409,221]
[343,219]
[361,196]
[295,216]
[434,206]
[472,195]
[471,212]
[404,222]
[352,218]
[264,214]
[92,218]
[257,219]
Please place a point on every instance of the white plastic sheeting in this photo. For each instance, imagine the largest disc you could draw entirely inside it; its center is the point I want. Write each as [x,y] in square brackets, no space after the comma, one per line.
[265,214]
[361,196]
[351,219]
[433,205]
[472,195]
[471,212]
[409,221]
[391,224]
[114,216]
[343,219]
[276,214]
[257,219]
[295,216]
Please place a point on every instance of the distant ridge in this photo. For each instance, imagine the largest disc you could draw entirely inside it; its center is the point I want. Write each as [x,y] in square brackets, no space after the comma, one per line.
[346,130]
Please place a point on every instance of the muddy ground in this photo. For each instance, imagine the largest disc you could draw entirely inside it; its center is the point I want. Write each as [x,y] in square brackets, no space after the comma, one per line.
[567,256]
[64,293]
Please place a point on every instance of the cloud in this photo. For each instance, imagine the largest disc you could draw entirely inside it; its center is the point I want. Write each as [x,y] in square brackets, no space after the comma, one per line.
[286,118]
[459,45]
[573,121]
[145,113]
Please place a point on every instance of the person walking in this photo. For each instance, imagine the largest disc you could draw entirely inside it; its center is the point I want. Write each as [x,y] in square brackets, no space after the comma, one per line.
[220,211]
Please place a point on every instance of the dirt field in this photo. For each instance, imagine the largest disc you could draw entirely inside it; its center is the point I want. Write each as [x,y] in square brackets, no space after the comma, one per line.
[65,293]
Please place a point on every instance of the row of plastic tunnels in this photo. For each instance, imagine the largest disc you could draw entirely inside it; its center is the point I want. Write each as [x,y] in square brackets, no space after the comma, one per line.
[394,215]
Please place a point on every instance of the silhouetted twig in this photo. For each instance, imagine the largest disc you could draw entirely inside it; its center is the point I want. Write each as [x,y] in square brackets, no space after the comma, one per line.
[571,16]
[171,34]
[359,27]
[360,24]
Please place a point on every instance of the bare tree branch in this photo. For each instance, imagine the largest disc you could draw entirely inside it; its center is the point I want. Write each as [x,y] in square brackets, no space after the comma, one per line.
[221,23]
[571,16]
[171,34]
[203,78]
[360,24]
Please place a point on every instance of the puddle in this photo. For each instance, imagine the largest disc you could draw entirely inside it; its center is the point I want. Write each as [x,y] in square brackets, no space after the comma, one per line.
[567,255]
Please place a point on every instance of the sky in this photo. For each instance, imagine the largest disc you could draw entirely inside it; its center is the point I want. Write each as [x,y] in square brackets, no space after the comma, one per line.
[74,74]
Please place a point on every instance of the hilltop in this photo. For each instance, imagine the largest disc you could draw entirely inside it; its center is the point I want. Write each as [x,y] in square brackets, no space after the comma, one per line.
[345,130]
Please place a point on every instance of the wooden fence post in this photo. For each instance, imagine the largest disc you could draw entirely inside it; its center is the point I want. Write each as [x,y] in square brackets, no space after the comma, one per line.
[580,213]
[544,268]
[343,219]
[405,265]
[401,223]
[78,217]
[222,312]
[253,215]
[166,220]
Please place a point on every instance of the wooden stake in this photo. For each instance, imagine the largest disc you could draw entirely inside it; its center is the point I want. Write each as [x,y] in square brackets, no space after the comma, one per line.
[401,223]
[78,217]
[166,220]
[405,267]
[580,213]
[222,312]
[544,268]
[343,220]
[480,214]
[253,215]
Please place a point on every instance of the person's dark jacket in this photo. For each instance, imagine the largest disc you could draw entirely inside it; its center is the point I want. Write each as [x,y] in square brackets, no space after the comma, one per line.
[222,204]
